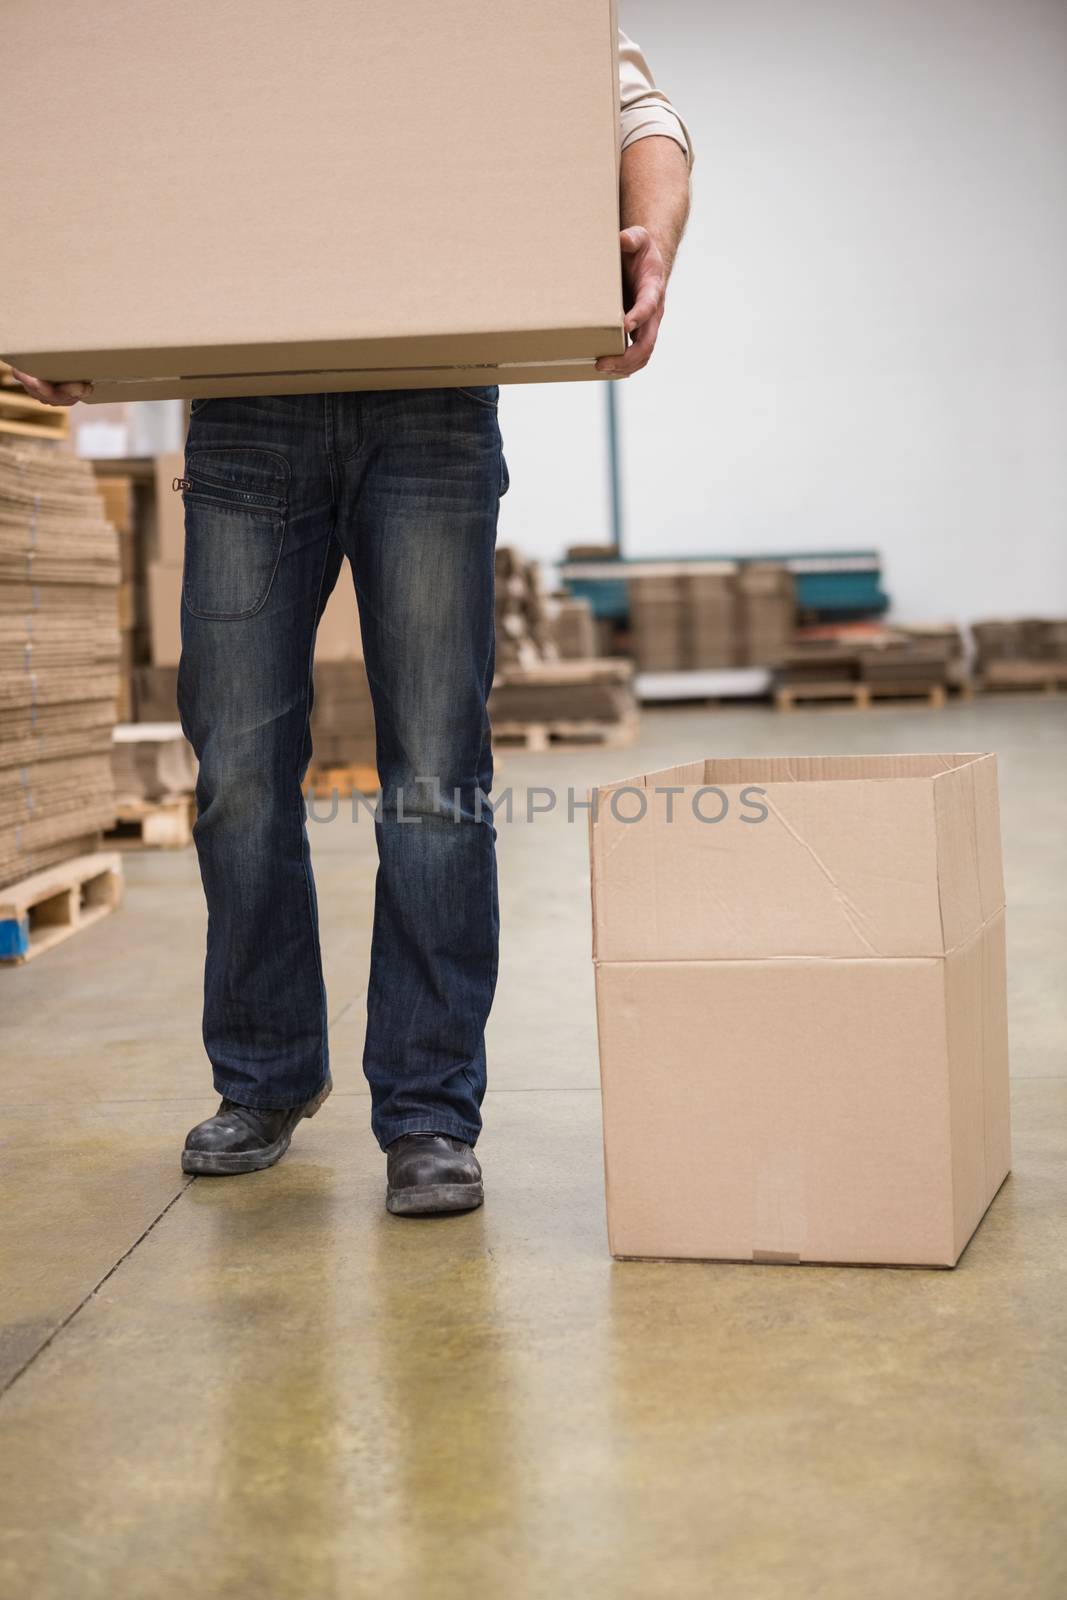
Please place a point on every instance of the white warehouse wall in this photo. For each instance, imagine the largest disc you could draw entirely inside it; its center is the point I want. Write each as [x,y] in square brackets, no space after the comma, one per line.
[866,340]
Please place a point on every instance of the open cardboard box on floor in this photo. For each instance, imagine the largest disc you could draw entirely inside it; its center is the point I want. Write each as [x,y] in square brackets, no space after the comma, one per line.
[326,197]
[800,977]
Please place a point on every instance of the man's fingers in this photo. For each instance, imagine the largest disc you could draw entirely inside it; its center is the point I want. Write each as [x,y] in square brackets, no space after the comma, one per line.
[638,355]
[647,279]
[647,300]
[53,394]
[634,239]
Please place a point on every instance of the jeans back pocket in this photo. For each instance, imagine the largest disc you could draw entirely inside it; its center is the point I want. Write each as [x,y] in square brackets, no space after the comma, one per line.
[236,502]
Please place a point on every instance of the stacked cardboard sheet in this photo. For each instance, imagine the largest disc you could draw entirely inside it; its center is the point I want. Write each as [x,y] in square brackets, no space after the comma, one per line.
[149,517]
[59,649]
[342,718]
[154,693]
[920,656]
[524,627]
[538,683]
[712,622]
[574,630]
[767,609]
[712,615]
[658,621]
[1018,650]
[152,761]
[599,690]
[342,722]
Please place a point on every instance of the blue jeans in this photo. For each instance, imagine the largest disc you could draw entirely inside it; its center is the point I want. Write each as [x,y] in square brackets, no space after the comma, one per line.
[407,484]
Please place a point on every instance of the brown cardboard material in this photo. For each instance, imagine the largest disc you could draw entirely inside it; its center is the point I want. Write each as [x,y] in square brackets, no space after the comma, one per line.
[801,1008]
[154,692]
[338,638]
[392,234]
[164,612]
[169,529]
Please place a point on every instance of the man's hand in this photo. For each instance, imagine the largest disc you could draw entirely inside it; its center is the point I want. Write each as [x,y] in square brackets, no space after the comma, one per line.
[645,275]
[654,199]
[52,394]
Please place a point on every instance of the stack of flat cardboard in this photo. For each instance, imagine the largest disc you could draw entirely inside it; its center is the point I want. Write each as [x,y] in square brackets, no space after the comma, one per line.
[711,615]
[535,685]
[821,660]
[59,652]
[904,661]
[117,493]
[599,690]
[342,720]
[574,630]
[658,620]
[148,516]
[768,613]
[163,571]
[913,656]
[154,692]
[1018,650]
[152,761]
[801,1004]
[944,641]
[524,632]
[712,619]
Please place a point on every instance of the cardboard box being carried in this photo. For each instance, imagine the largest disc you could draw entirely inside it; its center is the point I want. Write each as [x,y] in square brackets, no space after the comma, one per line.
[324,197]
[801,1007]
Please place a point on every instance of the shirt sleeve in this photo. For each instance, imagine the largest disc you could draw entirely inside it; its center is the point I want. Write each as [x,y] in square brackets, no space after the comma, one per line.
[643,109]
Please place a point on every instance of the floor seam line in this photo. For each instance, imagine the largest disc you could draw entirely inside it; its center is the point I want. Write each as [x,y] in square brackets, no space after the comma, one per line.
[95,1290]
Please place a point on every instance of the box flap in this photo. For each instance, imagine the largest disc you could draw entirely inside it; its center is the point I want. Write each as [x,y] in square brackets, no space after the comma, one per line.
[969,864]
[740,858]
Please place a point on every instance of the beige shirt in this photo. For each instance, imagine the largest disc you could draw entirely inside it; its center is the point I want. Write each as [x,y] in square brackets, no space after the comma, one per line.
[643,109]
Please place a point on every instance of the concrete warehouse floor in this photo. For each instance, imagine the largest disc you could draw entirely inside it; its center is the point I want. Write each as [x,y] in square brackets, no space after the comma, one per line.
[268,1386]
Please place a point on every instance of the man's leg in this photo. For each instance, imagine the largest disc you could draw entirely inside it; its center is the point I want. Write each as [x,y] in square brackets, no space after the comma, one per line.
[419,505]
[261,559]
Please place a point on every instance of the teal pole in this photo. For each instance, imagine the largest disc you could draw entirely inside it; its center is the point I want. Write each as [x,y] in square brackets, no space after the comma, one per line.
[614,468]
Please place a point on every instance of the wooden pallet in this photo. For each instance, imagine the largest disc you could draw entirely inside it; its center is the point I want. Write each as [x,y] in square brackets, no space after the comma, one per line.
[858,696]
[322,783]
[539,736]
[1034,677]
[165,824]
[49,906]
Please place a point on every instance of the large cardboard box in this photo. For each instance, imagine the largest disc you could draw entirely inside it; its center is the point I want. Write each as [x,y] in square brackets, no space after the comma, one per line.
[801,1005]
[310,198]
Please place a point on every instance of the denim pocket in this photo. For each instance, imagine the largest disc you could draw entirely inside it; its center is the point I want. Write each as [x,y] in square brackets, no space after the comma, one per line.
[485,397]
[235,510]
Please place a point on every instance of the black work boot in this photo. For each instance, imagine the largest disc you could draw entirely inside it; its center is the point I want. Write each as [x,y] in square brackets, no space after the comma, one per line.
[430,1172]
[243,1138]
